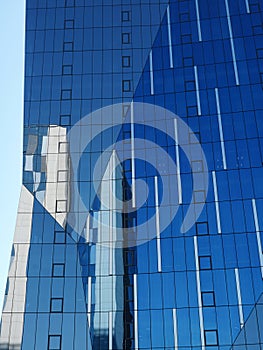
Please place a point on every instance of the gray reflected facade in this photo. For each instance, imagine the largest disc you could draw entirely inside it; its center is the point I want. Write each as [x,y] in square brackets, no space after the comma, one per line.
[96,263]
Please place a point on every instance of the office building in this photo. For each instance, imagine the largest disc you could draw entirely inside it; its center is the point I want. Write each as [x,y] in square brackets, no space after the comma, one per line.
[140,218]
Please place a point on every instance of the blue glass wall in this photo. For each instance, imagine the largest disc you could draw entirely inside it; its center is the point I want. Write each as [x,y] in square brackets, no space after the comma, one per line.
[201,60]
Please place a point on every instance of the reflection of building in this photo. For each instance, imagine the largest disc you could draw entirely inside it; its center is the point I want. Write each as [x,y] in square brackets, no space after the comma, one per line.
[108,303]
[200,59]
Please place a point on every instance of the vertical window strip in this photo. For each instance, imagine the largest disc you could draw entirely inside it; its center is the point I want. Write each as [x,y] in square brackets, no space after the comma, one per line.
[175,329]
[198,20]
[240,309]
[197,91]
[170,37]
[221,134]
[136,341]
[89,300]
[151,73]
[255,213]
[88,229]
[178,169]
[232,42]
[247,6]
[216,203]
[112,168]
[110,330]
[157,218]
[133,157]
[111,253]
[198,284]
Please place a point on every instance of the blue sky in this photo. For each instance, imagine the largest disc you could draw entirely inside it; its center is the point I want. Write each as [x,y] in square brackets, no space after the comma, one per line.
[12,19]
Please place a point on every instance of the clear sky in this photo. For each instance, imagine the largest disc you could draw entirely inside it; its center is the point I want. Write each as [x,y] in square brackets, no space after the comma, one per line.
[12,22]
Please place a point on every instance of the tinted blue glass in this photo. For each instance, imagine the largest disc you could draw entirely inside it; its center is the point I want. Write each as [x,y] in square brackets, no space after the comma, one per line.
[188,289]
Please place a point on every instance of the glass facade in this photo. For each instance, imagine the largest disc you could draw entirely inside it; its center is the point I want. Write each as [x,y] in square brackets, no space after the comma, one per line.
[140,219]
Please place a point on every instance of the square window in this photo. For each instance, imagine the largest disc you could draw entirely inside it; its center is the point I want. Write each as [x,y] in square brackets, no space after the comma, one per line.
[199,196]
[254,8]
[129,258]
[183,5]
[259,53]
[186,39]
[126,128]
[191,99]
[188,61]
[54,342]
[184,17]
[62,176]
[192,111]
[202,228]
[66,94]
[61,206]
[194,138]
[190,85]
[70,3]
[126,135]
[257,30]
[69,24]
[67,70]
[65,120]
[58,270]
[60,237]
[125,16]
[129,222]
[126,85]
[126,38]
[208,299]
[56,305]
[126,61]
[205,262]
[197,166]
[63,147]
[211,337]
[186,30]
[68,46]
